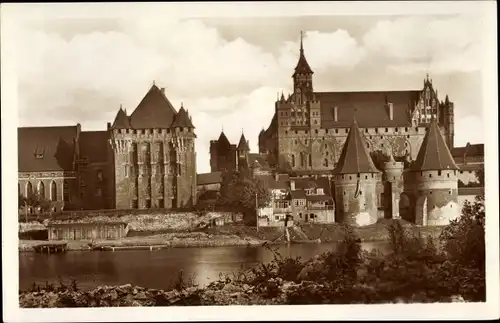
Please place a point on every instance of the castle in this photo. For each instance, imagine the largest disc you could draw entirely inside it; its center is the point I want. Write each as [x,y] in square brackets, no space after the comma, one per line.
[332,134]
[145,160]
[309,129]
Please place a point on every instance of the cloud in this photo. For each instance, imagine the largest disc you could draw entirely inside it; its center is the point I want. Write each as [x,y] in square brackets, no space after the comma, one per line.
[419,44]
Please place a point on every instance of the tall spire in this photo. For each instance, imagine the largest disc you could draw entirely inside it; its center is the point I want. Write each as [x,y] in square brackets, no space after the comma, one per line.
[301,42]
[302,65]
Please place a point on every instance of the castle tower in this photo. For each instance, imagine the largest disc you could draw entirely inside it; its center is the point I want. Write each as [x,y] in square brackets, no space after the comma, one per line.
[449,122]
[435,181]
[222,156]
[148,145]
[393,187]
[242,151]
[184,145]
[302,77]
[355,180]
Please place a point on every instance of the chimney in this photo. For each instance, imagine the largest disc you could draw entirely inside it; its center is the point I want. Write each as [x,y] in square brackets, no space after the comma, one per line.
[292,185]
[391,110]
[162,90]
[109,125]
[335,114]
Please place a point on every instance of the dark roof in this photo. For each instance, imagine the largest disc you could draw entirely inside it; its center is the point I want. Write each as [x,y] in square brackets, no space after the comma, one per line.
[182,119]
[354,157]
[468,150]
[223,145]
[301,184]
[298,194]
[154,111]
[369,108]
[433,153]
[317,198]
[470,191]
[209,178]
[243,144]
[121,120]
[271,182]
[54,145]
[302,65]
[94,146]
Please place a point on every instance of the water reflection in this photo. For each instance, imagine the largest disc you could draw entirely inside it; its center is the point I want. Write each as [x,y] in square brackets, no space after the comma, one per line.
[156,269]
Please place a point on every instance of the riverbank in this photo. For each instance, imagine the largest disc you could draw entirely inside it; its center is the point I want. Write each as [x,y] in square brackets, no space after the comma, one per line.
[237,235]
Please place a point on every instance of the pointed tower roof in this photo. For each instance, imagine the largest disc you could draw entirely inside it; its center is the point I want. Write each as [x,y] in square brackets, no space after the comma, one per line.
[434,153]
[154,111]
[223,144]
[354,157]
[243,144]
[302,65]
[121,120]
[182,119]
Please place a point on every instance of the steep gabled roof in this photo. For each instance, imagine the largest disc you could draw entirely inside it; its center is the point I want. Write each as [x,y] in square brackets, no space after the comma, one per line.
[182,119]
[154,111]
[243,144]
[354,157]
[94,146]
[46,148]
[121,120]
[434,153]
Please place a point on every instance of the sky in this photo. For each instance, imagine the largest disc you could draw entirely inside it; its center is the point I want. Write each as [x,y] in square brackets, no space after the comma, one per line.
[227,71]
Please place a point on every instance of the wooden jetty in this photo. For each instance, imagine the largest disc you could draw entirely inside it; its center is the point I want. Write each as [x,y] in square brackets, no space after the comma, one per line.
[141,247]
[51,247]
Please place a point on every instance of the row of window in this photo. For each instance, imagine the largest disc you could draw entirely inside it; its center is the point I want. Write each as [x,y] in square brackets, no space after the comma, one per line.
[346,130]
[150,131]
[40,190]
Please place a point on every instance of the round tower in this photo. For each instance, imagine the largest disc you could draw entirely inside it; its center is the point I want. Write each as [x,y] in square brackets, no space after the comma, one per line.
[355,182]
[393,187]
[436,182]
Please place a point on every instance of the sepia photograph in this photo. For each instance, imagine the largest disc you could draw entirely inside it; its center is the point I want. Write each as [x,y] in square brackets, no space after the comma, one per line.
[209,156]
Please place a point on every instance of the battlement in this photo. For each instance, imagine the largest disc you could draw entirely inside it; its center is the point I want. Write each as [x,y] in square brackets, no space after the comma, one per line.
[393,165]
[153,131]
[353,178]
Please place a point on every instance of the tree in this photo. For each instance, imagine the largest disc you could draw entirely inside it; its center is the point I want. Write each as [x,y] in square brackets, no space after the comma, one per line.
[480,176]
[243,193]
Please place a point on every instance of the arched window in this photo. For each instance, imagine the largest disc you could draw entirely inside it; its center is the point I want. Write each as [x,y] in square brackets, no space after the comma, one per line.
[53,191]
[326,162]
[41,190]
[293,160]
[29,190]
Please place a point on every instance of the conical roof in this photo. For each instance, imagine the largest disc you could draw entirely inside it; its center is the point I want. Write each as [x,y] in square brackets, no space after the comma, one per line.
[121,120]
[302,65]
[182,119]
[154,111]
[434,153]
[243,144]
[355,157]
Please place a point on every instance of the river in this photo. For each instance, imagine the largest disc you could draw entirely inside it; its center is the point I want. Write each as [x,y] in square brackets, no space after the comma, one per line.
[155,269]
